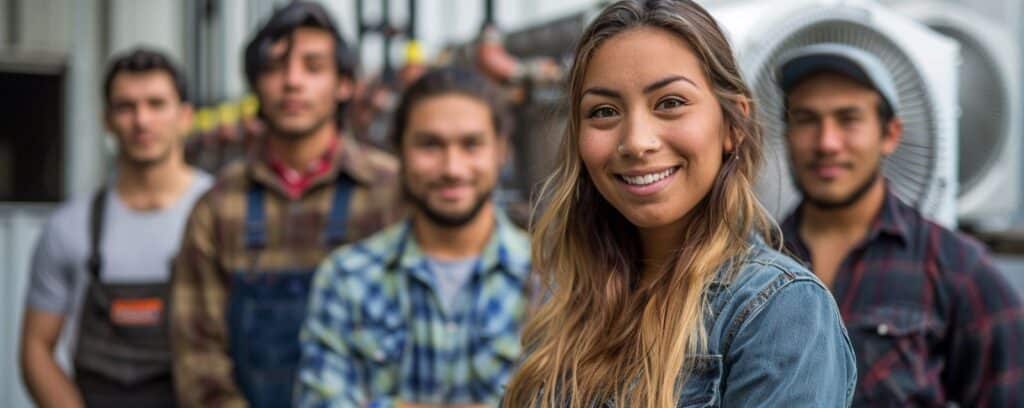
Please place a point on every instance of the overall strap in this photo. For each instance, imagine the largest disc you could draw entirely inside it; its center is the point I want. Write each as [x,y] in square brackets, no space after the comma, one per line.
[336,228]
[255,218]
[96,213]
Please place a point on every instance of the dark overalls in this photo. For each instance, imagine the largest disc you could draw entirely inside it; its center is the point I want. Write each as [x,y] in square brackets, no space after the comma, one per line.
[266,308]
[123,357]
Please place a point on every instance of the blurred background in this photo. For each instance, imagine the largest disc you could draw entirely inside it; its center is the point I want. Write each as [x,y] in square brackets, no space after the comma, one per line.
[957,64]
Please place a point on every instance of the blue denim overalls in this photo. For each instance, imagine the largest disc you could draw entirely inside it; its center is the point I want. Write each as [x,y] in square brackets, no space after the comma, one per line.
[266,308]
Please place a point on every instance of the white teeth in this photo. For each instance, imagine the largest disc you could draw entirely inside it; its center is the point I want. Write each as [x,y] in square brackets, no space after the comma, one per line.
[648,178]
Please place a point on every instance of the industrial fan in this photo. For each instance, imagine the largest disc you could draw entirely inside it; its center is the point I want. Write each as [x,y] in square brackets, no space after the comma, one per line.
[990,102]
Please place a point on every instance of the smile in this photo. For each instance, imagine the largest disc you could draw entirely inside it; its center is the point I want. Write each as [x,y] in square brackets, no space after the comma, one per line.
[647,179]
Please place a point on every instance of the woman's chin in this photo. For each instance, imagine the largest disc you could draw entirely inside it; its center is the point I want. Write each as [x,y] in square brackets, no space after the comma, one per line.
[650,220]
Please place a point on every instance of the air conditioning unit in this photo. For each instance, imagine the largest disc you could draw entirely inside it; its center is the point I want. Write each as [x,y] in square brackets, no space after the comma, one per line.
[923,63]
[990,102]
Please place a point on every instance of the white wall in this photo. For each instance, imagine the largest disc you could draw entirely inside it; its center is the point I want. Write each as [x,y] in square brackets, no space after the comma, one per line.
[236,34]
[3,23]
[19,228]
[44,25]
[85,151]
[153,23]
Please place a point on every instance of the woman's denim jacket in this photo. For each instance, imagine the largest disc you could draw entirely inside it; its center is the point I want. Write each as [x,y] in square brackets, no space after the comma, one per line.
[775,339]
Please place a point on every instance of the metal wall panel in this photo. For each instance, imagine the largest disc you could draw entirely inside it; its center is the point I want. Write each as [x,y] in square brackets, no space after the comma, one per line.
[19,229]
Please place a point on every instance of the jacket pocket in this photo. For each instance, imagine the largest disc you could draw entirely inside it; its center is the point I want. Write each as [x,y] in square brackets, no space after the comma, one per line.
[703,384]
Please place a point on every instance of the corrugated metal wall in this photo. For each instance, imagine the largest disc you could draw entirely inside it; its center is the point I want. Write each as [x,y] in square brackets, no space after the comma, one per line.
[20,226]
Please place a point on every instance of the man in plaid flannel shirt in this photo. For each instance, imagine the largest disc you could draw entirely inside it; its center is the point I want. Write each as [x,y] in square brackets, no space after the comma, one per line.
[253,243]
[427,312]
[931,320]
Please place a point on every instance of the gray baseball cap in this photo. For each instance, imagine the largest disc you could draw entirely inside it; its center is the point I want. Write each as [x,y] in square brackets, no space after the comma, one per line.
[847,60]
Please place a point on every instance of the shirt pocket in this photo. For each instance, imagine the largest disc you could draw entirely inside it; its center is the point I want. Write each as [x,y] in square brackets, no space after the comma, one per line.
[703,385]
[892,344]
[381,336]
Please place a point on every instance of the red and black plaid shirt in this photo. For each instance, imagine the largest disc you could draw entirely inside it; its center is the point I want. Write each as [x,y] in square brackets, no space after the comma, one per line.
[931,319]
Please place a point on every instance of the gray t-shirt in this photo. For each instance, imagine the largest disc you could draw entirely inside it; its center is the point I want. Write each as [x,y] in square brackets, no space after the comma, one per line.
[451,276]
[137,247]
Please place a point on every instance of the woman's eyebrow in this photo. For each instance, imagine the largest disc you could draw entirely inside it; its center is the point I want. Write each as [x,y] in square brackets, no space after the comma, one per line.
[598,90]
[665,81]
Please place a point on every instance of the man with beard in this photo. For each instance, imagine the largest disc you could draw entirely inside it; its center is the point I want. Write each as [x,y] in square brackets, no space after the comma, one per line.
[102,265]
[426,312]
[930,318]
[253,242]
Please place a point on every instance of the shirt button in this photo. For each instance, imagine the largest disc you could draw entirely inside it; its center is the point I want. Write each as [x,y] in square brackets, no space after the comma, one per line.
[451,327]
[883,329]
[379,355]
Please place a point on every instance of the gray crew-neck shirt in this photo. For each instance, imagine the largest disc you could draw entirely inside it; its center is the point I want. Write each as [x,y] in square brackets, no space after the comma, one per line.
[137,247]
[451,276]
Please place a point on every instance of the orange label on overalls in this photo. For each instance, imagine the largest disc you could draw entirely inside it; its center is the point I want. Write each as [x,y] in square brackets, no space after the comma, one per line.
[136,312]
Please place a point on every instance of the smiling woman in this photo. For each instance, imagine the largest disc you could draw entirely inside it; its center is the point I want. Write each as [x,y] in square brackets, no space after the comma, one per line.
[663,290]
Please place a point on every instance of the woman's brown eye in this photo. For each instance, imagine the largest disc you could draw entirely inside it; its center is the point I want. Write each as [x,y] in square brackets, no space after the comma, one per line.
[602,112]
[671,103]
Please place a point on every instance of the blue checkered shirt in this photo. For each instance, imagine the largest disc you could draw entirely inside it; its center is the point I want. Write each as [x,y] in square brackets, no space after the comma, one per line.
[376,332]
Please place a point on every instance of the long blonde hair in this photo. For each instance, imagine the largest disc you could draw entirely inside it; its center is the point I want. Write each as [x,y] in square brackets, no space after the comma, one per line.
[603,333]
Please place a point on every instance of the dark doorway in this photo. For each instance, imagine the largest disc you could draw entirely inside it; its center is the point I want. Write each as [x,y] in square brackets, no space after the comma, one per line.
[31,136]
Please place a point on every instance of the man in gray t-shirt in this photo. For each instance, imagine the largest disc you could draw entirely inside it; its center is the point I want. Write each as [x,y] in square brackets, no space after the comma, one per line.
[138,247]
[102,264]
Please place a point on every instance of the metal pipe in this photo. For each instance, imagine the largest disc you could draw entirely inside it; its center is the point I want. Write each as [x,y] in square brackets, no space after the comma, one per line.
[488,12]
[105,29]
[388,34]
[360,22]
[410,29]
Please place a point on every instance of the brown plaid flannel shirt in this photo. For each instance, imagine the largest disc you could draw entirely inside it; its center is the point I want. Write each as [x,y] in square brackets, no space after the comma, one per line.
[214,247]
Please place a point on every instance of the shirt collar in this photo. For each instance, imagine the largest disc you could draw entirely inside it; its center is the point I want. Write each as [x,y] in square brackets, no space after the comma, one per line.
[507,251]
[890,221]
[296,181]
[346,156]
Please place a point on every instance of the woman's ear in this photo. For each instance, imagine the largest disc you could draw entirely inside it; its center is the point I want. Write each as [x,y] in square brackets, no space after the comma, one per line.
[744,104]
[734,138]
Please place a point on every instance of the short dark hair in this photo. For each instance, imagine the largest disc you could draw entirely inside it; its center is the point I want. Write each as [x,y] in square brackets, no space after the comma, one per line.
[144,60]
[450,80]
[282,24]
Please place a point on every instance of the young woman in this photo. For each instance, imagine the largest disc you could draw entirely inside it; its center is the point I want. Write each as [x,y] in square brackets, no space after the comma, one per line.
[662,290]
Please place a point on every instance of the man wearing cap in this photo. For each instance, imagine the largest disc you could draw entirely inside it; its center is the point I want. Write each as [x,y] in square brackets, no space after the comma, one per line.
[930,318]
[253,242]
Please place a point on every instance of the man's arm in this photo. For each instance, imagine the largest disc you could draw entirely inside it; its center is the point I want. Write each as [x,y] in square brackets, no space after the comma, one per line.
[50,297]
[985,366]
[45,380]
[202,367]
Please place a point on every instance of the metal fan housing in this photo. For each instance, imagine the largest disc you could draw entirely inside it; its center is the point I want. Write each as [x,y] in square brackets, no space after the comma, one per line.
[990,102]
